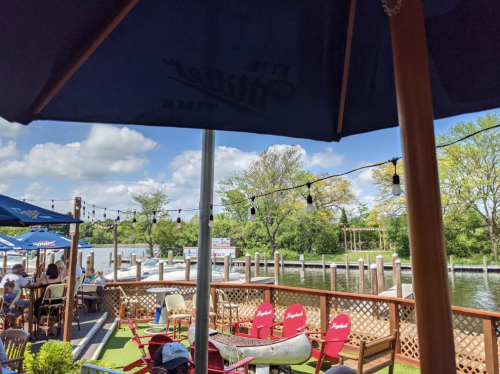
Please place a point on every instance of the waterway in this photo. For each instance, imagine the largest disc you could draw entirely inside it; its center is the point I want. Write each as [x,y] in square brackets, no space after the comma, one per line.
[468,289]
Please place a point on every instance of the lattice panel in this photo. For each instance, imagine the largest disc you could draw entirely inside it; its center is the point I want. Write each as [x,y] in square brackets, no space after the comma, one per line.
[497,331]
[248,301]
[283,299]
[469,344]
[408,331]
[111,301]
[369,319]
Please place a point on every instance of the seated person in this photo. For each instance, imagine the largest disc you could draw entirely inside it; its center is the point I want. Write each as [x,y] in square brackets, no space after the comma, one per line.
[90,275]
[52,276]
[19,281]
[172,358]
[62,268]
[100,280]
[8,295]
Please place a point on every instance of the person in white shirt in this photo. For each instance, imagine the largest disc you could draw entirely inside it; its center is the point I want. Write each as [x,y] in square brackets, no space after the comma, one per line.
[19,281]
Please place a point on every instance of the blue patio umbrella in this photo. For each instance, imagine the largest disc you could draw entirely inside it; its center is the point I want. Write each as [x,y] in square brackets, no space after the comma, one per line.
[21,214]
[8,243]
[43,238]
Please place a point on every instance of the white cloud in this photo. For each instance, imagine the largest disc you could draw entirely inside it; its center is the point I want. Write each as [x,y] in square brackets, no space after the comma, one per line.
[108,151]
[36,191]
[327,159]
[9,151]
[3,187]
[11,130]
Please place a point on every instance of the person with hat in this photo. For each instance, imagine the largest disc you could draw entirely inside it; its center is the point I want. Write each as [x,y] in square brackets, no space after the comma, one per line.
[172,358]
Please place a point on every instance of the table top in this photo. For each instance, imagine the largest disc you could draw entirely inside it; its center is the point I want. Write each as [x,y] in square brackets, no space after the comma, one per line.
[162,290]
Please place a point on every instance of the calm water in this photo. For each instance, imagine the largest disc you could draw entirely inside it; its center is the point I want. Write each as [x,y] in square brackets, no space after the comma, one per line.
[470,290]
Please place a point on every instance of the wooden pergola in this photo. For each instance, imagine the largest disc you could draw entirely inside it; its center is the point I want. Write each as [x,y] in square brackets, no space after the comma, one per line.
[352,232]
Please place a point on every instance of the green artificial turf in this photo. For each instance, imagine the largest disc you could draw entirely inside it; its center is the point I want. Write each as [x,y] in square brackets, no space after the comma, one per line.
[120,350]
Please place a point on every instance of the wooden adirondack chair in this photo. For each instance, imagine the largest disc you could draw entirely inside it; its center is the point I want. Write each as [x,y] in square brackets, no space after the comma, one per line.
[261,322]
[334,340]
[216,362]
[294,322]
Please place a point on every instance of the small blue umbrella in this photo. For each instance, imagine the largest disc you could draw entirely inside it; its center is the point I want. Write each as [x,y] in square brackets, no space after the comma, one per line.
[43,238]
[20,214]
[8,243]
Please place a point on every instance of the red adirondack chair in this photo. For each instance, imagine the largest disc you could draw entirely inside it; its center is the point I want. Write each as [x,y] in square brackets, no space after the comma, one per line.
[261,322]
[152,345]
[334,340]
[294,322]
[216,362]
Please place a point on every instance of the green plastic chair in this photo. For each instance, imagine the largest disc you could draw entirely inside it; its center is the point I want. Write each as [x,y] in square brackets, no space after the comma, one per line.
[223,305]
[211,315]
[177,311]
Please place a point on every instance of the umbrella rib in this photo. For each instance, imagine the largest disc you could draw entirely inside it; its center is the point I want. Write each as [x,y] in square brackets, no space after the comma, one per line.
[114,20]
[347,58]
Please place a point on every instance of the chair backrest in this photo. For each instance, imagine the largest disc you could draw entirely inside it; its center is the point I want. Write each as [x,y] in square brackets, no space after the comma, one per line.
[264,316]
[78,283]
[376,349]
[13,303]
[122,292]
[215,360]
[339,329]
[174,302]
[194,302]
[135,337]
[54,292]
[1,304]
[156,342]
[294,318]
[14,341]
[221,296]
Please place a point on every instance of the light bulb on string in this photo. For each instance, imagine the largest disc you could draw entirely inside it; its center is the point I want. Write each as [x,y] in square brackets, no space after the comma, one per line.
[211,219]
[77,207]
[134,221]
[104,215]
[52,205]
[83,209]
[155,225]
[252,211]
[309,200]
[396,183]
[93,211]
[179,224]
[118,218]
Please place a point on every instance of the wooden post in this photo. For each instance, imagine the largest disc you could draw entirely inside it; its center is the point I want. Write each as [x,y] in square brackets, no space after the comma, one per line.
[265,262]
[361,266]
[345,239]
[485,264]
[333,276]
[25,262]
[133,259]
[138,273]
[110,258]
[373,278]
[227,257]
[394,258]
[161,269]
[187,274]
[490,345]
[68,323]
[119,260]
[397,279]
[52,258]
[380,274]
[257,264]
[170,257]
[423,201]
[346,262]
[4,264]
[92,263]
[323,312]
[276,268]
[323,264]
[452,267]
[282,262]
[37,261]
[394,322]
[44,257]
[248,265]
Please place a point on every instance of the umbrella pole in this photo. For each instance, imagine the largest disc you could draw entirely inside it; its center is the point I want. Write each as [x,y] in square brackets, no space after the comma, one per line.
[37,260]
[204,252]
[430,278]
[68,323]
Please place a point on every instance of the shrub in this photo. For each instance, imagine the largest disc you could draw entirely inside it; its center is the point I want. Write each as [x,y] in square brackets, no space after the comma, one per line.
[53,358]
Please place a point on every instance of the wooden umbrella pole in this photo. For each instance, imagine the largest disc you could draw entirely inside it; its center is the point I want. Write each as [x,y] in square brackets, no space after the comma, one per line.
[68,323]
[430,278]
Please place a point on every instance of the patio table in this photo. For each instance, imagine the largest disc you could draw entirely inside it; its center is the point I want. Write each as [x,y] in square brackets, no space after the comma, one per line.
[161,311]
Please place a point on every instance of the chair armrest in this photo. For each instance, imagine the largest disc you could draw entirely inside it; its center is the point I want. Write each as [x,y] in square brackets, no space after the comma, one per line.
[348,356]
[335,340]
[302,328]
[12,360]
[316,333]
[145,336]
[245,321]
[238,364]
[276,324]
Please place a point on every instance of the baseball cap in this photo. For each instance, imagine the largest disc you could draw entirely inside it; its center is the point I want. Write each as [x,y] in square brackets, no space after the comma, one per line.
[171,355]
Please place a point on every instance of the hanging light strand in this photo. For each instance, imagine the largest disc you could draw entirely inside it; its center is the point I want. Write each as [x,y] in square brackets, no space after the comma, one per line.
[179,224]
[211,218]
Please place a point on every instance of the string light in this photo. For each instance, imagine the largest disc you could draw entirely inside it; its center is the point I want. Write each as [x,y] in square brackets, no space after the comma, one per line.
[252,211]
[211,219]
[309,200]
[104,215]
[179,224]
[396,184]
[118,218]
[154,220]
[134,221]
[93,212]
[83,209]
[52,204]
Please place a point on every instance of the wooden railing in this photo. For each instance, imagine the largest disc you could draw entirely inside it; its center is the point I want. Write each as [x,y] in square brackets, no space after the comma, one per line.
[476,332]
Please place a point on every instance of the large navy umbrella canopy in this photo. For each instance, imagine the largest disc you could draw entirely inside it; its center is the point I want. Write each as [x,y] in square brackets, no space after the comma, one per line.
[21,214]
[271,67]
[8,243]
[43,238]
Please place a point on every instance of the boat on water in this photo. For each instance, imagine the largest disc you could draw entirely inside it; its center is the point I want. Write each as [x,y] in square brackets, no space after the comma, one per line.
[180,274]
[289,351]
[149,268]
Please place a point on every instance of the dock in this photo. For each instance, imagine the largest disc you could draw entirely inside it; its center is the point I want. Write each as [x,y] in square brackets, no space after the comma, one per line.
[256,280]
[407,291]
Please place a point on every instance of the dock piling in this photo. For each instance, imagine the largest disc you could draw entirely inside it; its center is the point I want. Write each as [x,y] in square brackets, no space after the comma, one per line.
[138,274]
[485,264]
[227,257]
[25,262]
[5,264]
[276,268]
[248,265]
[160,269]
[301,256]
[323,264]
[170,257]
[188,269]
[110,258]
[333,276]
[361,265]
[133,259]
[257,264]
[394,258]
[265,262]
[346,262]
[89,261]
[80,258]
[92,263]
[119,260]
[397,279]
[373,277]
[380,273]
[282,263]
[452,268]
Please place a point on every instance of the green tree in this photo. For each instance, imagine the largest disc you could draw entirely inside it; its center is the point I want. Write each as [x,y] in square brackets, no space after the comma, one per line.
[397,234]
[386,205]
[470,173]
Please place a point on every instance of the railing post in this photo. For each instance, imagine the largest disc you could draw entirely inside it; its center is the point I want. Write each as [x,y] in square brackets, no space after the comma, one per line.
[267,295]
[323,312]
[394,322]
[490,346]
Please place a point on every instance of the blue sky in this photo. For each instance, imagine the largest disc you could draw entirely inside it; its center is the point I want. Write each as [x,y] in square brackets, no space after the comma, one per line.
[106,164]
